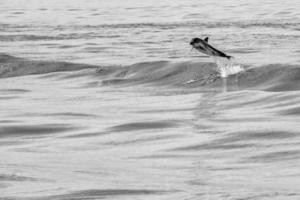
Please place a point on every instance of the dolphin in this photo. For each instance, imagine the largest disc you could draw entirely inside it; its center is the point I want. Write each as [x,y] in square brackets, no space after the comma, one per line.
[204,47]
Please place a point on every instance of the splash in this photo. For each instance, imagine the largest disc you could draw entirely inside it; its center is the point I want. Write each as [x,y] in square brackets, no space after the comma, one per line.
[227,67]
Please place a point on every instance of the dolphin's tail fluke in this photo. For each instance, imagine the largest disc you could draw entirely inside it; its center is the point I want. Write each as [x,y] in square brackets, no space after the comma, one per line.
[228,57]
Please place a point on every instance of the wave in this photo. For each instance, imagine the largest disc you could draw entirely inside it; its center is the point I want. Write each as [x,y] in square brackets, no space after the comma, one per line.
[199,75]
[284,24]
[11,66]
[272,77]
[70,36]
[22,37]
[194,23]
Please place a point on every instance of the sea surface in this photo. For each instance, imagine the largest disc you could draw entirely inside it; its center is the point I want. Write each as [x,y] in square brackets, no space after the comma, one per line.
[104,99]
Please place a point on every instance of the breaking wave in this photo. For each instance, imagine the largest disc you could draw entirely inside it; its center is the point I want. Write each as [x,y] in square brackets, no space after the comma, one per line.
[202,75]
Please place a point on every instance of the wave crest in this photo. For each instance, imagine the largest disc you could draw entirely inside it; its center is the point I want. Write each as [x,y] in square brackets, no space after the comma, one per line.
[202,75]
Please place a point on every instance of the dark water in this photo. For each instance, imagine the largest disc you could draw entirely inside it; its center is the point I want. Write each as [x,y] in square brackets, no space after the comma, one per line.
[145,118]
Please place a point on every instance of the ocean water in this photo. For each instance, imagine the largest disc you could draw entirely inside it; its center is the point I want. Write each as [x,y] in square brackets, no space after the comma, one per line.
[106,100]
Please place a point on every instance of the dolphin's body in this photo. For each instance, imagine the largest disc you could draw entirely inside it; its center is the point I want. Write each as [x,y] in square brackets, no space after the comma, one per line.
[204,47]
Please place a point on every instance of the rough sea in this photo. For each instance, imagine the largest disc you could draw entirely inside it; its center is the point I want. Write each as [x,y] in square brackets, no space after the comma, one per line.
[104,99]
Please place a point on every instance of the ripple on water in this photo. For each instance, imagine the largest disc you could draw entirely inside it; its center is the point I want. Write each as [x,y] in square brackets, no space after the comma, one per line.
[72,114]
[136,126]
[33,130]
[106,193]
[13,91]
[8,97]
[85,135]
[239,140]
[13,177]
[291,111]
[279,156]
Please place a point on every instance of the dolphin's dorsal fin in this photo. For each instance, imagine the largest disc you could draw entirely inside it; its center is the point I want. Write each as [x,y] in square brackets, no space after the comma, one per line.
[206,39]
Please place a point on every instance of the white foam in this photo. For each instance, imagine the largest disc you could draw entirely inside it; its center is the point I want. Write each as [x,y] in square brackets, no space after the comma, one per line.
[227,67]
